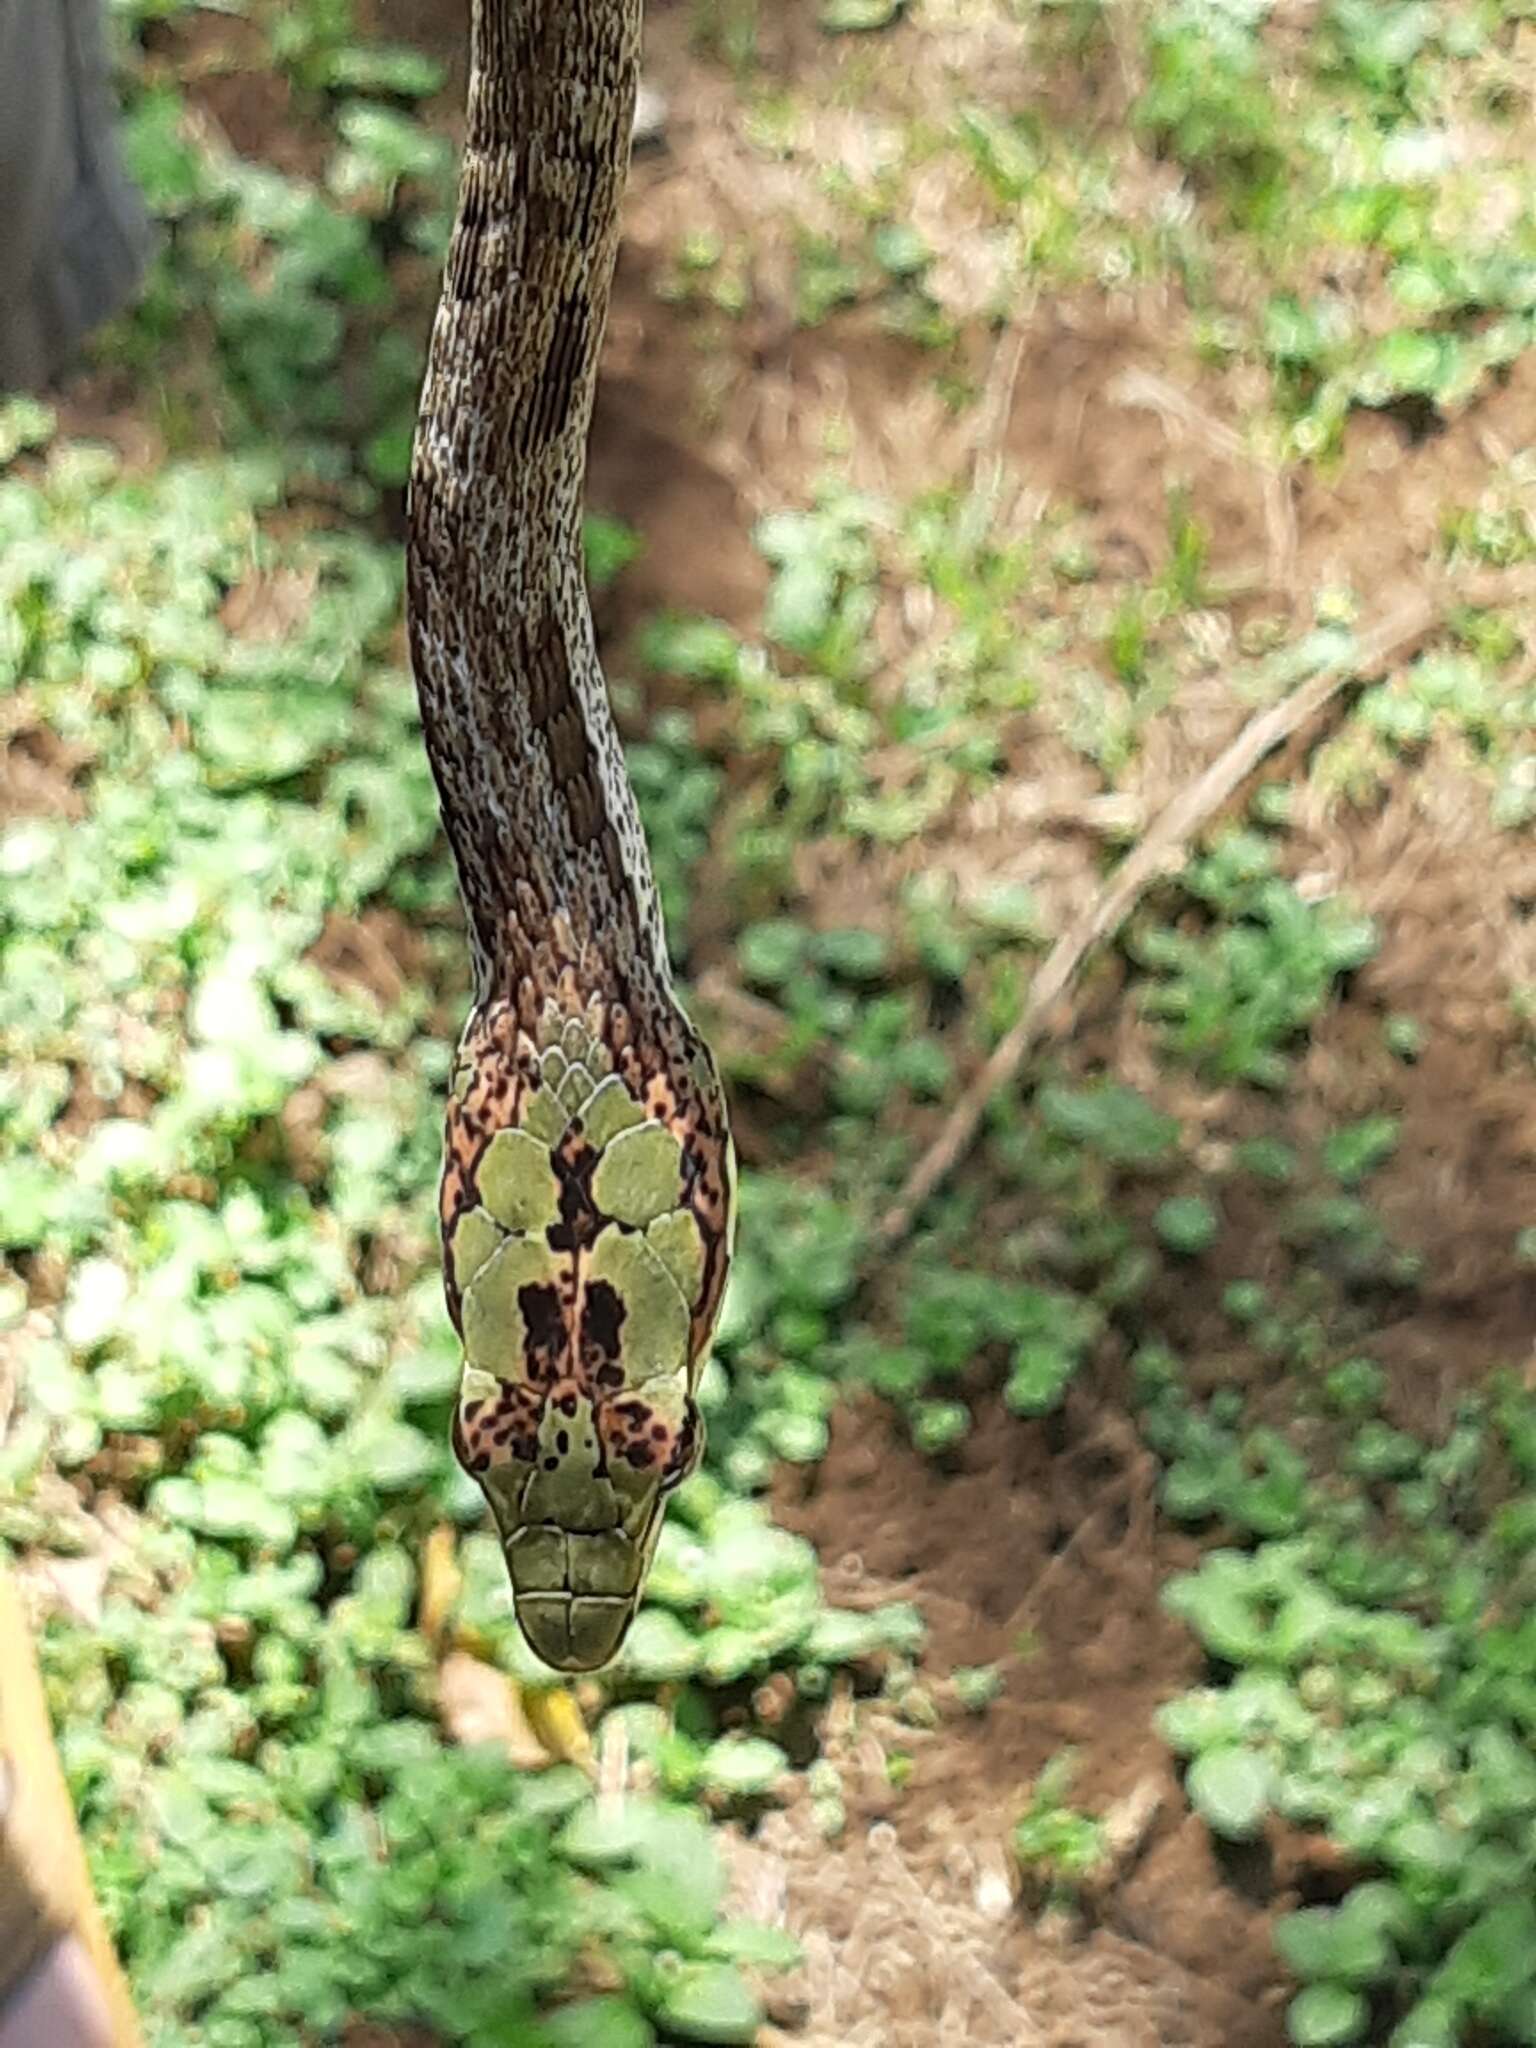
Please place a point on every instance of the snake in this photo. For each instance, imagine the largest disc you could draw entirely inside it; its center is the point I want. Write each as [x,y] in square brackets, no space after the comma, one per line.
[588,1188]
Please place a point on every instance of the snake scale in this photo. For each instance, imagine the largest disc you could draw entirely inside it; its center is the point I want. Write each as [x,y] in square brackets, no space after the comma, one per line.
[588,1184]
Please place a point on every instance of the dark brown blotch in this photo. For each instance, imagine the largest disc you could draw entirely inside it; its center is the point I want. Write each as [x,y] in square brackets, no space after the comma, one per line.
[601,1326]
[540,1306]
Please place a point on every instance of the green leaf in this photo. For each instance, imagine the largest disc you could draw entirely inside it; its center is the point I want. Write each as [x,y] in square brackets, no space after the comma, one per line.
[1232,1788]
[840,1636]
[197,1965]
[659,1649]
[798,1439]
[769,953]
[598,2023]
[601,1836]
[1039,1378]
[390,1454]
[900,249]
[855,954]
[1116,1122]
[227,1507]
[249,737]
[609,547]
[383,67]
[1325,2015]
[729,1653]
[976,1685]
[846,17]
[938,1426]
[1357,1150]
[708,2002]
[702,650]
[1333,1942]
[801,604]
[252,1866]
[663,1857]
[1409,363]
[1493,1959]
[24,423]
[1432,2023]
[759,1947]
[743,1766]
[1187,1224]
[179,1810]
[678,1881]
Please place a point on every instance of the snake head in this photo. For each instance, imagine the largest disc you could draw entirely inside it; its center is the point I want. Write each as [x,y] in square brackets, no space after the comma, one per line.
[576,1415]
[578,1492]
[584,1265]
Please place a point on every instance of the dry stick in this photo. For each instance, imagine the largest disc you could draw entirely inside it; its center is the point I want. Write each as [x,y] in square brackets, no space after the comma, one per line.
[45,1886]
[1162,851]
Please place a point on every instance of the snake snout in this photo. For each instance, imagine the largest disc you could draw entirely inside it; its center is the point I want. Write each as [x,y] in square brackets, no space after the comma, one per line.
[574,1635]
[575,1592]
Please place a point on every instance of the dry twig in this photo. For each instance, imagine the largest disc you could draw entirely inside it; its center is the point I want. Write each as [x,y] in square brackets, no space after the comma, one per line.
[1161,852]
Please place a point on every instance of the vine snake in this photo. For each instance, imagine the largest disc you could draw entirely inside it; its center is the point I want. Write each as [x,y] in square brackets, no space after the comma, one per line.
[588,1185]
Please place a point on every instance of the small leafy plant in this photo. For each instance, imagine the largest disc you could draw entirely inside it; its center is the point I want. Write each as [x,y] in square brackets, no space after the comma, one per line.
[1059,1849]
[1233,1000]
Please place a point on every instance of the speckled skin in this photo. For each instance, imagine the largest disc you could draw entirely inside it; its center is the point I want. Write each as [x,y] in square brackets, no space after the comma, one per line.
[564,921]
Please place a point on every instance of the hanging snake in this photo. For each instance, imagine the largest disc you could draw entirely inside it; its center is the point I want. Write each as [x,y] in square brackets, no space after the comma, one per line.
[588,1182]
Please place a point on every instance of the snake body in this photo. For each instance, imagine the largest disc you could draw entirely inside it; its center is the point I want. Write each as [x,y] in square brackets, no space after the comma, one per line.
[588,1184]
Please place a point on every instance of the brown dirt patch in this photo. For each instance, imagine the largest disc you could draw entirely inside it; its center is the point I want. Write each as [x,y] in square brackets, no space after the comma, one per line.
[1453,897]
[1049,1531]
[39,773]
[378,952]
[1046,1537]
[248,109]
[646,469]
[1084,429]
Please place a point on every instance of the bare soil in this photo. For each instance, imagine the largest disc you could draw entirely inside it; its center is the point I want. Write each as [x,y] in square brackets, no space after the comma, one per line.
[1041,1554]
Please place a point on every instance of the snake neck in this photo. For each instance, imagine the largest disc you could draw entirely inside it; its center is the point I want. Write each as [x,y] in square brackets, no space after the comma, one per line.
[539,812]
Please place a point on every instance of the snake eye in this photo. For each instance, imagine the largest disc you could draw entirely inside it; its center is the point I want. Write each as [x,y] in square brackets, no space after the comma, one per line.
[689,1449]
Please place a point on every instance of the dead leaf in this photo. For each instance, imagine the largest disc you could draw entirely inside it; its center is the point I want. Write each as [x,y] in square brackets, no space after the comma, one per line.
[557,1719]
[478,1703]
[440,1582]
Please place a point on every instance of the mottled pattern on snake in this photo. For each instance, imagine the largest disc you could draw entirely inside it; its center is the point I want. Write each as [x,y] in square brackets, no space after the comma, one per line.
[588,1186]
